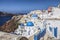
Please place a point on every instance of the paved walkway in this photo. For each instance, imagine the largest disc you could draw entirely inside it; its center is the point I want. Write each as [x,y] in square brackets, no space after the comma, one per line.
[8,36]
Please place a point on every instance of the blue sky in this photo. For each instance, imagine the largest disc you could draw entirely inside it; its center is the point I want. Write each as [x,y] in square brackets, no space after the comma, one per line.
[25,6]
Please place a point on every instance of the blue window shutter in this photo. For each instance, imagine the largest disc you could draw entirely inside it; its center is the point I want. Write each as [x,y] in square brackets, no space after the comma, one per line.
[55,32]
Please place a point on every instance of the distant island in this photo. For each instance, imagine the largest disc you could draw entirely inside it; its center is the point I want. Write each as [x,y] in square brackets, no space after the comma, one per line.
[10,14]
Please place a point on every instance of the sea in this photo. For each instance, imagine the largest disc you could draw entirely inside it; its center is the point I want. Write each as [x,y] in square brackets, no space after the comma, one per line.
[3,19]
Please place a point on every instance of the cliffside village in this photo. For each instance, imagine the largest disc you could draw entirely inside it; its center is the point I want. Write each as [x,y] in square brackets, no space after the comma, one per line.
[36,25]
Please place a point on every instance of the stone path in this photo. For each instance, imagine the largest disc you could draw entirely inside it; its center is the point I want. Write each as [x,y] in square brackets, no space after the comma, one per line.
[8,36]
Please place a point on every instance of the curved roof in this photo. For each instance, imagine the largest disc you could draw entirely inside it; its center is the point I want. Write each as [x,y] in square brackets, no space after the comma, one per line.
[29,23]
[34,15]
[21,24]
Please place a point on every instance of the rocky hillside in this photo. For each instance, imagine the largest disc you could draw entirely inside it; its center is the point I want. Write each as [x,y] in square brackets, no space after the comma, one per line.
[11,24]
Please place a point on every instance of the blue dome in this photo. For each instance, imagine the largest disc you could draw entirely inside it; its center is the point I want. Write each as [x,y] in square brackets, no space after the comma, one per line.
[29,24]
[21,24]
[34,15]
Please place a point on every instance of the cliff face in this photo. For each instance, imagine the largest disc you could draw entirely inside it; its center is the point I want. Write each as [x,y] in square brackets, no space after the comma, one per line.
[10,25]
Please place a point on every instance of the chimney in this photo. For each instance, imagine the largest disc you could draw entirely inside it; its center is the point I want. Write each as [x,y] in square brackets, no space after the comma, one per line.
[49,9]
